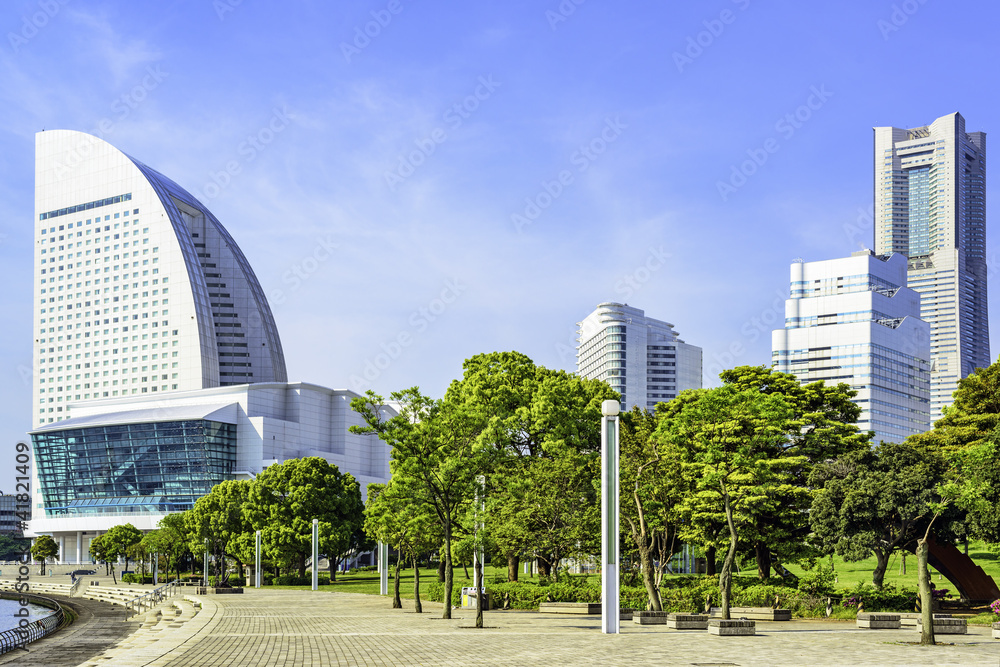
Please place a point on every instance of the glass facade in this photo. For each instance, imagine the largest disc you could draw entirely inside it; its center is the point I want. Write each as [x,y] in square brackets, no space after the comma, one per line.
[157,468]
[920,213]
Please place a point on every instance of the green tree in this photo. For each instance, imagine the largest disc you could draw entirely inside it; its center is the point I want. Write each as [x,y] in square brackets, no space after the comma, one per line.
[286,497]
[44,548]
[734,443]
[434,449]
[99,552]
[972,417]
[120,542]
[874,502]
[13,548]
[396,516]
[651,486]
[527,414]
[220,518]
[173,540]
[821,426]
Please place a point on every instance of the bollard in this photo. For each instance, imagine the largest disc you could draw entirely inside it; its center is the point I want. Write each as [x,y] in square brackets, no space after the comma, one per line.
[708,603]
[861,606]
[776,603]
[916,607]
[829,607]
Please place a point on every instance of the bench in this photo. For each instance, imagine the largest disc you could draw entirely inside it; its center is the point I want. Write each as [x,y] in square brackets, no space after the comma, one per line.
[583,608]
[687,621]
[754,613]
[912,619]
[650,617]
[948,626]
[732,627]
[873,621]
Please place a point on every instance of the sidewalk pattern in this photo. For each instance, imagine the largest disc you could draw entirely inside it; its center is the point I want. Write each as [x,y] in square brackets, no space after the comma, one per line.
[292,628]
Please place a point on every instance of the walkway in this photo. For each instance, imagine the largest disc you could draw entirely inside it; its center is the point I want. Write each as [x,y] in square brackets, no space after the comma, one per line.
[303,629]
[98,627]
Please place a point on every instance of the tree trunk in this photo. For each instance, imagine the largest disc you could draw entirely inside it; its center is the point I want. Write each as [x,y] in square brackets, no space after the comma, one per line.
[513,565]
[479,594]
[331,564]
[881,564]
[726,577]
[763,553]
[710,561]
[465,566]
[302,565]
[396,602]
[543,567]
[449,572]
[648,576]
[417,607]
[441,570]
[926,600]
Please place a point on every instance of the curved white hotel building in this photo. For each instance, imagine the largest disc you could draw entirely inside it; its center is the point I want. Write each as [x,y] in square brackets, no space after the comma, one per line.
[158,367]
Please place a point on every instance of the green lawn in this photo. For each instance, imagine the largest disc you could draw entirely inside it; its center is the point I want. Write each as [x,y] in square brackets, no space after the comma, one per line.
[851,574]
[848,574]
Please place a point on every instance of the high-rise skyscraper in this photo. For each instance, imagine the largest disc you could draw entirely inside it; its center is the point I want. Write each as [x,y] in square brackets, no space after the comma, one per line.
[854,320]
[930,205]
[138,287]
[642,359]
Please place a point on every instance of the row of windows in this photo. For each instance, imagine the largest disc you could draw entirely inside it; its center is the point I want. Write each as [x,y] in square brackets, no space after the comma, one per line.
[86,207]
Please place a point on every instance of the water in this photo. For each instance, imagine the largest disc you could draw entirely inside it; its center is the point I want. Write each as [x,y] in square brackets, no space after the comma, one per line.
[10,607]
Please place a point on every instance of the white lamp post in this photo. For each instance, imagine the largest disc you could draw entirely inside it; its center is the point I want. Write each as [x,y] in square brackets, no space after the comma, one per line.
[383,568]
[610,609]
[315,561]
[256,569]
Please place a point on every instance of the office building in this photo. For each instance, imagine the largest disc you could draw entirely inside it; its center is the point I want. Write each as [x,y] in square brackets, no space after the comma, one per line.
[643,359]
[930,205]
[138,287]
[854,320]
[158,367]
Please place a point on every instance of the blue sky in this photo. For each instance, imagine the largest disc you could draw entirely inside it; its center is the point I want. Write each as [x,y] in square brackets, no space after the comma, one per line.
[472,177]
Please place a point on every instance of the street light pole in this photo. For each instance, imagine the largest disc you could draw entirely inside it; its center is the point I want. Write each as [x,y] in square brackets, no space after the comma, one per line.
[383,568]
[205,564]
[315,562]
[257,555]
[610,609]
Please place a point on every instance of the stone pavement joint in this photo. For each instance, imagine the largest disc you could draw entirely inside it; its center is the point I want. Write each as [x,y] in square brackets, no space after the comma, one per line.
[312,629]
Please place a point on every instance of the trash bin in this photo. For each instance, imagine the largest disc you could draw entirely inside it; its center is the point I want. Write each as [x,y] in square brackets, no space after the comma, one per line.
[469,598]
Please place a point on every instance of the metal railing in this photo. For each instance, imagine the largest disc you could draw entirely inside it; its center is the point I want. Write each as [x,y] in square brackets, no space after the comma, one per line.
[29,631]
[150,599]
[75,587]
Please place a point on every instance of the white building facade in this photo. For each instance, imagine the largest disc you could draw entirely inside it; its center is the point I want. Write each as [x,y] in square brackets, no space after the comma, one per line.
[854,321]
[138,288]
[642,358]
[158,370]
[135,460]
[930,205]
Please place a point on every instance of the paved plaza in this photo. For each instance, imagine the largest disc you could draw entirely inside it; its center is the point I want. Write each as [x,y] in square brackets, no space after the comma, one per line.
[294,628]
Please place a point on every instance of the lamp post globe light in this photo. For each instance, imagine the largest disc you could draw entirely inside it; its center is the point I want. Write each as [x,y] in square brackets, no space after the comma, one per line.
[610,609]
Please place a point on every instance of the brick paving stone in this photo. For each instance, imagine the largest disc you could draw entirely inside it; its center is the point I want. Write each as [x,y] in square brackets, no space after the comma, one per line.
[307,629]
